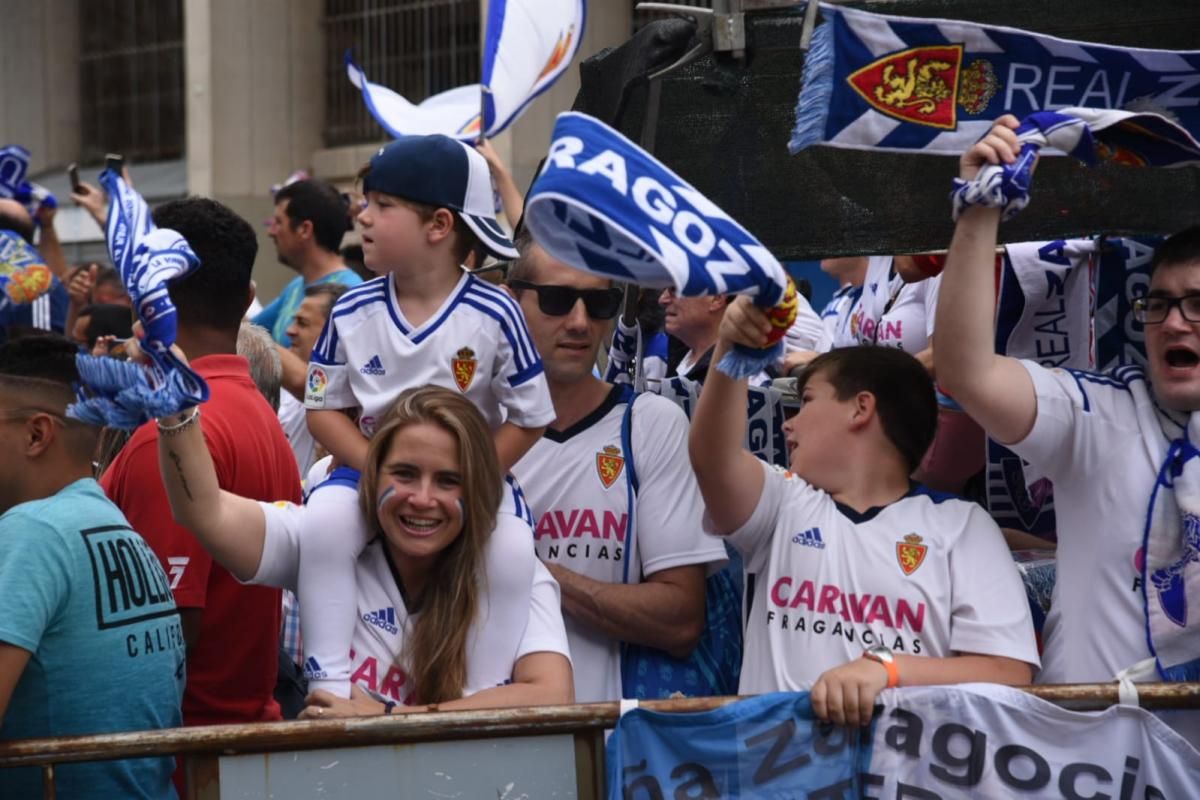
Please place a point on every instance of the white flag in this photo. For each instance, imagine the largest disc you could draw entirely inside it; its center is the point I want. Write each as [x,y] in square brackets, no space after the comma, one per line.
[527,45]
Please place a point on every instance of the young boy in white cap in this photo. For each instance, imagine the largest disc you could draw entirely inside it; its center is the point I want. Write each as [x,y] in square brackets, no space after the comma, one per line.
[424,321]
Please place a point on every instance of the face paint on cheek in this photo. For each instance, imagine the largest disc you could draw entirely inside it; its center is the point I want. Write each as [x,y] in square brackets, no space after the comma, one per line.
[384,496]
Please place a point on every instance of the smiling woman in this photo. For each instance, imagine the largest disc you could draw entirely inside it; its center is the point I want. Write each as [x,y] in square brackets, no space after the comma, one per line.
[436,569]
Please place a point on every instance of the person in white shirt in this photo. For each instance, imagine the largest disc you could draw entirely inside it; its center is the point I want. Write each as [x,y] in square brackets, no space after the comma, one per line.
[1083,431]
[650,591]
[695,321]
[850,273]
[445,618]
[302,332]
[861,581]
[897,307]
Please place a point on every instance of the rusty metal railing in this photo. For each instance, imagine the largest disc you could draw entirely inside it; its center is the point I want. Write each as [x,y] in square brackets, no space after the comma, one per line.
[586,721]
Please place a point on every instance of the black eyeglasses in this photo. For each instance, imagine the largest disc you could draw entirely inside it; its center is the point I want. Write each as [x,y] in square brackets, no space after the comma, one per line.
[1153,310]
[558,301]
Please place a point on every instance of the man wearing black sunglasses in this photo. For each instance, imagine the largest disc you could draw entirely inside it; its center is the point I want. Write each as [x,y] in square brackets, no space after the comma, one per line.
[575,479]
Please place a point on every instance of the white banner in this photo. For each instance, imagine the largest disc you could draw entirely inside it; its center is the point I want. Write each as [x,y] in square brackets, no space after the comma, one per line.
[985,741]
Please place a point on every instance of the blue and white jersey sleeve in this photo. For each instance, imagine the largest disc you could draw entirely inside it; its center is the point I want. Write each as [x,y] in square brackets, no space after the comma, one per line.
[1079,417]
[327,385]
[518,379]
[753,538]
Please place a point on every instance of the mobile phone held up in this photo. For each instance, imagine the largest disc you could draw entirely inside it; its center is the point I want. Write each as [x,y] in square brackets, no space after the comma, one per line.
[115,162]
[73,174]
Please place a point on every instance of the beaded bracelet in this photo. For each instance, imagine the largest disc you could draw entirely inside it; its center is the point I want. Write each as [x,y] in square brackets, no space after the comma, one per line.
[182,425]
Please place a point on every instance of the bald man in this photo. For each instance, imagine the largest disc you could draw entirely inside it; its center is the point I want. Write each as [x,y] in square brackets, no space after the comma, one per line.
[90,641]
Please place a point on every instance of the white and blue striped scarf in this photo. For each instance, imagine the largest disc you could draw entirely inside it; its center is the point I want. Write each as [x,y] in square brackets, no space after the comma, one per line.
[881,82]
[606,206]
[117,393]
[1087,134]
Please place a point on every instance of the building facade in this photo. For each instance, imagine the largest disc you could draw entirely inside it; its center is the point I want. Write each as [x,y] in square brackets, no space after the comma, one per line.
[224,98]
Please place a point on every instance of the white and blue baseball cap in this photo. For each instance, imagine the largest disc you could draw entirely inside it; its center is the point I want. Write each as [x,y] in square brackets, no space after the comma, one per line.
[445,173]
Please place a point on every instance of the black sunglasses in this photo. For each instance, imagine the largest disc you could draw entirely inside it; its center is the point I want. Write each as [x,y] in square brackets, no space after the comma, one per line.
[559,300]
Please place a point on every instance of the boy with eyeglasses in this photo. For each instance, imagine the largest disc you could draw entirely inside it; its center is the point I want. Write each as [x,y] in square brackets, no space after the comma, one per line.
[1117,447]
[424,321]
[628,574]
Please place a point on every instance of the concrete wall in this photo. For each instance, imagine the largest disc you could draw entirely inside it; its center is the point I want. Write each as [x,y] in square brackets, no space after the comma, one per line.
[254,99]
[39,80]
[254,106]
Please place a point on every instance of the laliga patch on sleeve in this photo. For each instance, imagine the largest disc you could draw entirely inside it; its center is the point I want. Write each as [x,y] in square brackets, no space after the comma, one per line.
[314,390]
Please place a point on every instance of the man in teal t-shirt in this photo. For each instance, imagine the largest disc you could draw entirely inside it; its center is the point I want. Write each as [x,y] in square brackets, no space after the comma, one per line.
[307,226]
[90,641]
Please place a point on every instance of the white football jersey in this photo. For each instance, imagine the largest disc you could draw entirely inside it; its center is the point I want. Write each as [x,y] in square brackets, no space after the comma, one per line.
[576,484]
[807,331]
[504,630]
[476,343]
[837,313]
[922,576]
[892,313]
[295,428]
[1086,440]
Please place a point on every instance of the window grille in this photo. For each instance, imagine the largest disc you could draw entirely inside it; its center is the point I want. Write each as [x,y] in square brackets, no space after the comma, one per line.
[131,79]
[415,47]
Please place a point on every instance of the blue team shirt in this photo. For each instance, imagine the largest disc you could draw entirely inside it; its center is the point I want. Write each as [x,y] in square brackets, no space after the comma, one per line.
[277,316]
[47,313]
[85,594]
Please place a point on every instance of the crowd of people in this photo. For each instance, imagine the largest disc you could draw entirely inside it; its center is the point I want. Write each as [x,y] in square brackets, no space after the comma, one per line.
[420,491]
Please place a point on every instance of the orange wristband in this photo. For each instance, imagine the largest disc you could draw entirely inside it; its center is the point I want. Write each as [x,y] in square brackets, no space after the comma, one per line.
[893,672]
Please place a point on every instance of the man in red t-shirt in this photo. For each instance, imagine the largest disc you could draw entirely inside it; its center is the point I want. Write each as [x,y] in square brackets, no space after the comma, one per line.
[231,630]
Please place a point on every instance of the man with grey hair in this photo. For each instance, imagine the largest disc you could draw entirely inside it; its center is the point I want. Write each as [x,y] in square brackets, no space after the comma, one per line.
[254,343]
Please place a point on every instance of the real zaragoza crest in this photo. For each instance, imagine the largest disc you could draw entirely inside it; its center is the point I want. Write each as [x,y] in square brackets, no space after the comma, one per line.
[915,85]
[609,464]
[463,365]
[910,553]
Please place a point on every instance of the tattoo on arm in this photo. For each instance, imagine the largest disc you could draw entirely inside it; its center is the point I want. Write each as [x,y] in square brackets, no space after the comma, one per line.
[182,478]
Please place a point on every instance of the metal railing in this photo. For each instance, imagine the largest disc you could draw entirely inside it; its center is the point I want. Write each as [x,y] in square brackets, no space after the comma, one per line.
[587,722]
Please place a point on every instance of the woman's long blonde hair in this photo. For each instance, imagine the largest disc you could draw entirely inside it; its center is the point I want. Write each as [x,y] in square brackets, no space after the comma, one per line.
[435,653]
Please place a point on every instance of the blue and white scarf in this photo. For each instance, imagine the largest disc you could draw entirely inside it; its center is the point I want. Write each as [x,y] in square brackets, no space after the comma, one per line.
[14,165]
[117,393]
[1087,134]
[1043,314]
[606,206]
[1171,540]
[873,81]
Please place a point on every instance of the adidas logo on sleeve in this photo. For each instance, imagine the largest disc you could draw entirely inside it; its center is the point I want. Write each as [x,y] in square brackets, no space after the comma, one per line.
[810,538]
[373,367]
[312,669]
[382,618]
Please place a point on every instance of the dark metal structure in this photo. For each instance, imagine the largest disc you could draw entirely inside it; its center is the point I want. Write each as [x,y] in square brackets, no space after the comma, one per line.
[724,120]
